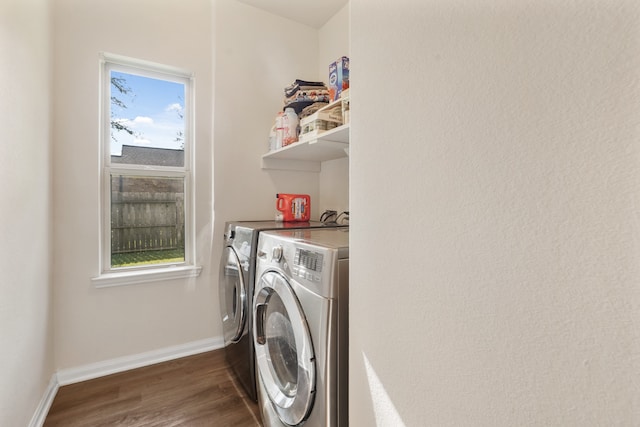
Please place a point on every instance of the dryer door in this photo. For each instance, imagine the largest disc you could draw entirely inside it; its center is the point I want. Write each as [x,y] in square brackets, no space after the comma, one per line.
[233,296]
[284,351]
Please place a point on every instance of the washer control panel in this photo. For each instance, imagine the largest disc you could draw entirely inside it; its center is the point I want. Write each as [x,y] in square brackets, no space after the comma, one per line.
[307,264]
[309,260]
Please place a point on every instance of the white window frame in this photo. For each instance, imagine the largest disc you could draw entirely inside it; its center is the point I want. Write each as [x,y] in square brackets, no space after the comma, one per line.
[148,273]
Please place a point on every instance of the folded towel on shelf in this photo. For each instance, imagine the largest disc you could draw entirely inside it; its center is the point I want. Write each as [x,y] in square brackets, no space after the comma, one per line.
[306,88]
[321,95]
[298,84]
[298,106]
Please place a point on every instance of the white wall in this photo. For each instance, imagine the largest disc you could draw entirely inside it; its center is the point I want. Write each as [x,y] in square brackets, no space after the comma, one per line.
[93,325]
[257,55]
[334,185]
[333,42]
[334,176]
[252,56]
[26,353]
[494,193]
[263,53]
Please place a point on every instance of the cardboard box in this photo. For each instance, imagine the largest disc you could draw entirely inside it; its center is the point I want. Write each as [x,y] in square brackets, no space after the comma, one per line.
[338,77]
[316,127]
[320,122]
[331,113]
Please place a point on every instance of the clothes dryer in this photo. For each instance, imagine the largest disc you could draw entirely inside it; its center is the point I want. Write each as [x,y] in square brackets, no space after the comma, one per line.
[235,287]
[300,328]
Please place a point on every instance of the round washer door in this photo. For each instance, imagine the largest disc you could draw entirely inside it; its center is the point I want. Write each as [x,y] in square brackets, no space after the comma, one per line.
[233,296]
[284,350]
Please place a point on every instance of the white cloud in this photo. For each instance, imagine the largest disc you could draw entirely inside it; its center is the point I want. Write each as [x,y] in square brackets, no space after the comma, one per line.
[123,122]
[174,107]
[143,120]
[152,131]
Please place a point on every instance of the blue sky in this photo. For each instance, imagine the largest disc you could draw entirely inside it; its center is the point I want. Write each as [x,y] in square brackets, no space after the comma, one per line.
[153,108]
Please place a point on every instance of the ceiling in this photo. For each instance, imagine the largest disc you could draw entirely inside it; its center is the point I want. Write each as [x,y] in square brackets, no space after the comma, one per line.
[314,13]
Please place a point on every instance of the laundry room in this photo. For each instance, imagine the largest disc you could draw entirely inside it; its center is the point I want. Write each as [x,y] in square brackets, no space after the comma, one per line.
[239,59]
[488,181]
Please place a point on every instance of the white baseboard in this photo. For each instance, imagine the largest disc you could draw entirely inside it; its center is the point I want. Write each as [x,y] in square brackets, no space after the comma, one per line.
[112,366]
[121,364]
[45,404]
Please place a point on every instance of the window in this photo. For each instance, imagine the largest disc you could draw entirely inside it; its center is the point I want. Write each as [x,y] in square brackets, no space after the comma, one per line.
[146,171]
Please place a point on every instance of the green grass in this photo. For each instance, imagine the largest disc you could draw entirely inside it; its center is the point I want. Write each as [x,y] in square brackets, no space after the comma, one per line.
[130,259]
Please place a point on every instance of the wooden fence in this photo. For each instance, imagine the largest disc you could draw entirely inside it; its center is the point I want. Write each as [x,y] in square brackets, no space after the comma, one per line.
[143,221]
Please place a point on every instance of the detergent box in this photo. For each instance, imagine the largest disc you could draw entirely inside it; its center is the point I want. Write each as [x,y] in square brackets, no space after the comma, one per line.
[338,77]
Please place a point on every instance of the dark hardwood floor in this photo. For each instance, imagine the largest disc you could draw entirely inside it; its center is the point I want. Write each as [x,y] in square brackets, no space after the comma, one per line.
[198,390]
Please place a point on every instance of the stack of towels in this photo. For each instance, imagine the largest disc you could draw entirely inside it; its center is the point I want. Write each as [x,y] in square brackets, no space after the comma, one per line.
[301,94]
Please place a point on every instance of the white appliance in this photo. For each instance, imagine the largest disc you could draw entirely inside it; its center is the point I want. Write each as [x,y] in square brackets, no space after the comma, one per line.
[300,333]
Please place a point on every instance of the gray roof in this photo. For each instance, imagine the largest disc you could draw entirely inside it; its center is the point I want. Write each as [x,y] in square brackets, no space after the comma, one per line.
[136,155]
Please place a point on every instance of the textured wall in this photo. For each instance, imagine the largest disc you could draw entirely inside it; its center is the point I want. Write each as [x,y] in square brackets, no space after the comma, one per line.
[494,194]
[26,352]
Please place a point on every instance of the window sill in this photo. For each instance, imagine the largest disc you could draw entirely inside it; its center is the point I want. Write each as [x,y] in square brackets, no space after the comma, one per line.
[145,276]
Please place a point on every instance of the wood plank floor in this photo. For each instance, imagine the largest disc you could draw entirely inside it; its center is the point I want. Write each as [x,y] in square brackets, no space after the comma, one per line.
[198,390]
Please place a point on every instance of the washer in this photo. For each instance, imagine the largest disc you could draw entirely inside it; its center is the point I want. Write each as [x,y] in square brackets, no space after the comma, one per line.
[300,329]
[237,275]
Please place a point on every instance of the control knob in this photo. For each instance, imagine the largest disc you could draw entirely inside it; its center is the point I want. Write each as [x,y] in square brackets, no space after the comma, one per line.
[276,253]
